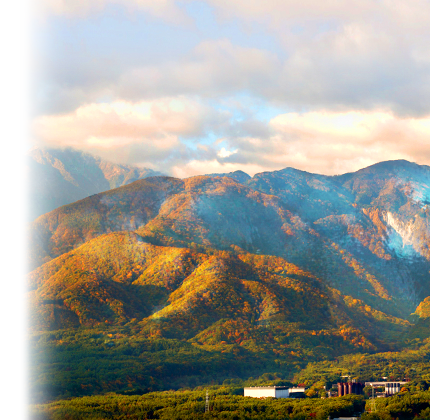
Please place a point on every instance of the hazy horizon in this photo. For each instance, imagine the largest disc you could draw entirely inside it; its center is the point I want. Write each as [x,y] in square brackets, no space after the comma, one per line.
[251,174]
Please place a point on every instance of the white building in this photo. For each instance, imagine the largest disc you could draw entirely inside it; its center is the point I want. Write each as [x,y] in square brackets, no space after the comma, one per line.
[271,391]
[345,418]
[391,388]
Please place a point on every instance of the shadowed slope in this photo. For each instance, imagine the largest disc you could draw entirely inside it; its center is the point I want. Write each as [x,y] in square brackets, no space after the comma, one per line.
[178,293]
[125,208]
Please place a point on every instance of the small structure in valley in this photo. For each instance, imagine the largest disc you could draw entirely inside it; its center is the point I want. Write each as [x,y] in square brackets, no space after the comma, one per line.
[272,391]
[391,388]
[345,418]
[346,388]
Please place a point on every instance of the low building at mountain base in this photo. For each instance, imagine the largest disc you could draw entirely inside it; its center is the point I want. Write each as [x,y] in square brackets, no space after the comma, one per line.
[391,388]
[346,388]
[272,391]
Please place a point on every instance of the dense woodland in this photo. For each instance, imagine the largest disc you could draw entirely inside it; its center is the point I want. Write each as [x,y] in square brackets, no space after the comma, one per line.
[226,403]
[87,362]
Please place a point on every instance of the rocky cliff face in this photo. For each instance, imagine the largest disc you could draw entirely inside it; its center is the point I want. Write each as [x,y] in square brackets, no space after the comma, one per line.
[379,215]
[62,176]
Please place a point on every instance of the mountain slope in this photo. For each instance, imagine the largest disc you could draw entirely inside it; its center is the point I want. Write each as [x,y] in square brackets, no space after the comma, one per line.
[379,215]
[202,279]
[126,208]
[62,176]
[239,176]
[314,221]
[399,192]
[180,293]
[216,213]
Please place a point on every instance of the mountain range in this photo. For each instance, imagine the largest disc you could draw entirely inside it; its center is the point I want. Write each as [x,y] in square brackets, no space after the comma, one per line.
[365,233]
[300,266]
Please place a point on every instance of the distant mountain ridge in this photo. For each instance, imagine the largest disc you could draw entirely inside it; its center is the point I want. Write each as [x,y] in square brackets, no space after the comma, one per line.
[62,176]
[238,176]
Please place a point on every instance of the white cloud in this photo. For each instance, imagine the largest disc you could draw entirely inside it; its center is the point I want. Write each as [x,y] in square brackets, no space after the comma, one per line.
[358,66]
[223,153]
[203,167]
[337,142]
[352,54]
[104,126]
[360,54]
[277,14]
[213,68]
[167,10]
[160,134]
[358,72]
[355,125]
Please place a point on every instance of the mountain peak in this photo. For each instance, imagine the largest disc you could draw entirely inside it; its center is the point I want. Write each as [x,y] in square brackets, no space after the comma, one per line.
[393,166]
[238,176]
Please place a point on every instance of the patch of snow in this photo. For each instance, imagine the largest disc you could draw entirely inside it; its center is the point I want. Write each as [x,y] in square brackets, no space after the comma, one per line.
[420,192]
[401,235]
[318,185]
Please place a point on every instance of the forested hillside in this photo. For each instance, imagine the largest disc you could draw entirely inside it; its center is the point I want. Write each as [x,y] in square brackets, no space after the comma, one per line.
[168,283]
[225,403]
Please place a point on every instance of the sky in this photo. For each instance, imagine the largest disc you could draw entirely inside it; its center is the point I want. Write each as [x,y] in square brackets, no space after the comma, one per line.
[193,87]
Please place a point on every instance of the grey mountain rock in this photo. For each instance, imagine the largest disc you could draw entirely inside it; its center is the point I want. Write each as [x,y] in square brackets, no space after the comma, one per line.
[62,176]
[239,176]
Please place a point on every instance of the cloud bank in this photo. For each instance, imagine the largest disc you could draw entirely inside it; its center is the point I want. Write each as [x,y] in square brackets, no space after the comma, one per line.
[164,132]
[323,87]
